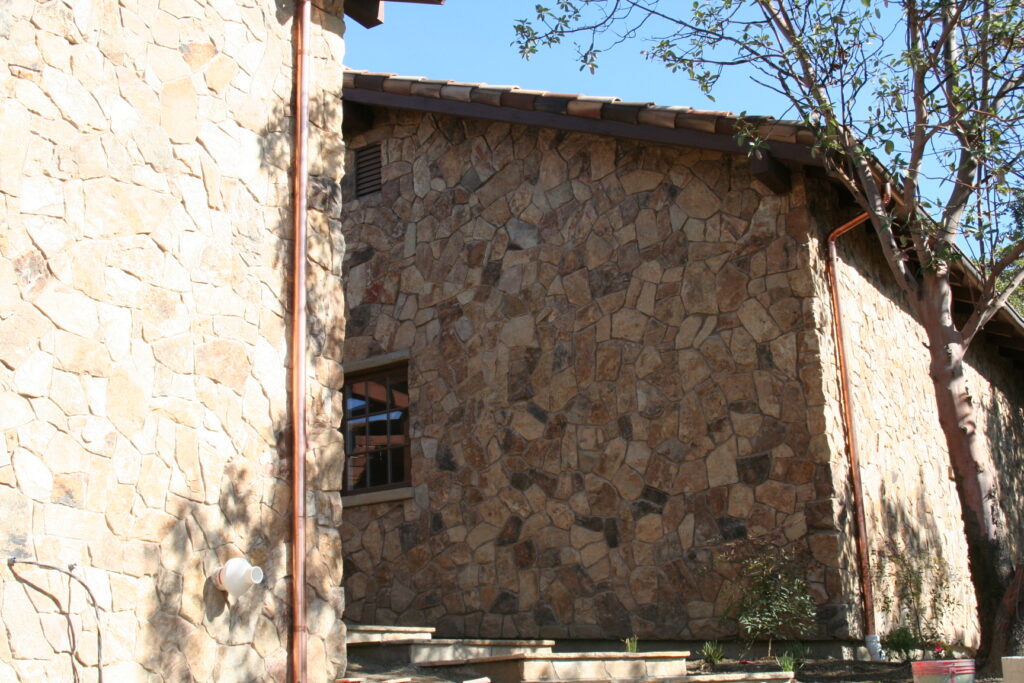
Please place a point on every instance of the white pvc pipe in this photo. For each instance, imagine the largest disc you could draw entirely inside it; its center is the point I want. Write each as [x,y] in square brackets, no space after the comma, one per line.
[874,646]
[237,576]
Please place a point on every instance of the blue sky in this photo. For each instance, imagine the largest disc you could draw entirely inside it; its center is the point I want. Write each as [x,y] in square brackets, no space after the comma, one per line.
[470,40]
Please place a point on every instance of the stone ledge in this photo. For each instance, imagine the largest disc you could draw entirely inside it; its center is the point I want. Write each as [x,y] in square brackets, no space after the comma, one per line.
[371,497]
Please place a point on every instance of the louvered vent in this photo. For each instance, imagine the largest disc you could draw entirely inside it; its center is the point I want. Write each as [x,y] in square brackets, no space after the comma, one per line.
[368,164]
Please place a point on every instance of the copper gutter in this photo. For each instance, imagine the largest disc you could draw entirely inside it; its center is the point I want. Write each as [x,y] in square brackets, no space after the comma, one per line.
[300,181]
[863,559]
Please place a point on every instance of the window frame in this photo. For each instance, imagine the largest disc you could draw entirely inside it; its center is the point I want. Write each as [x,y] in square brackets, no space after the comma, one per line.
[352,379]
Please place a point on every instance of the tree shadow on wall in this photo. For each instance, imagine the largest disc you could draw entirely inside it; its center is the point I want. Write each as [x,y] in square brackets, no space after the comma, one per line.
[915,585]
[195,632]
[1004,429]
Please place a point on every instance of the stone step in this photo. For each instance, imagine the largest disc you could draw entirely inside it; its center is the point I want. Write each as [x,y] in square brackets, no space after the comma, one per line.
[744,677]
[575,666]
[367,633]
[416,651]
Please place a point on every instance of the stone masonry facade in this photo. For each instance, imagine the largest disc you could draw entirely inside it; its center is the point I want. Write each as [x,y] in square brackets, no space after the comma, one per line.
[144,328]
[911,500]
[614,379]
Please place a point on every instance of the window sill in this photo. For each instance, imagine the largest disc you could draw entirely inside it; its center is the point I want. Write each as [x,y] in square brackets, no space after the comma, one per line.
[371,497]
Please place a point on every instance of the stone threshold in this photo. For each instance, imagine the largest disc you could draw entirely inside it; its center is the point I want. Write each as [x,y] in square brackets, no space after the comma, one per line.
[368,628]
[645,679]
[741,677]
[460,641]
[561,657]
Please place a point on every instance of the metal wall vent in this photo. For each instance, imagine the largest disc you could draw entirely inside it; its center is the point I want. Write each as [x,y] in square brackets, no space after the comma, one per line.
[368,170]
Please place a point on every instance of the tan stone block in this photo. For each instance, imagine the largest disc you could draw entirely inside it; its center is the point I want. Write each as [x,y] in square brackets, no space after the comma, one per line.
[757,321]
[777,495]
[166,64]
[697,200]
[15,411]
[153,526]
[68,394]
[649,528]
[76,104]
[34,479]
[641,181]
[721,464]
[628,324]
[69,309]
[224,361]
[179,110]
[27,641]
[127,404]
[67,522]
[14,121]
[42,196]
[80,355]
[119,209]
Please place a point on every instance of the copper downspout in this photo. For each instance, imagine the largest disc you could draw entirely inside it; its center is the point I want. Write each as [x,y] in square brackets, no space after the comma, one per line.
[300,175]
[863,559]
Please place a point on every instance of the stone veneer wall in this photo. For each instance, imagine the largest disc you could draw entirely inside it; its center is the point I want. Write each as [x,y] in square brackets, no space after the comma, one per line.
[143,337]
[909,494]
[614,380]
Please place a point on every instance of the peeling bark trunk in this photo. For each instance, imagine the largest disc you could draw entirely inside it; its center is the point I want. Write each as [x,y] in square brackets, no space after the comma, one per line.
[975,483]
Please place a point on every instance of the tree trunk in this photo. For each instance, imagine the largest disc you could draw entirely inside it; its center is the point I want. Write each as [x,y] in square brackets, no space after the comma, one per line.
[975,483]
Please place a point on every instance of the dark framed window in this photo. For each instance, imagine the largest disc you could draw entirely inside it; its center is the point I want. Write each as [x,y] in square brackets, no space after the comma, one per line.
[376,429]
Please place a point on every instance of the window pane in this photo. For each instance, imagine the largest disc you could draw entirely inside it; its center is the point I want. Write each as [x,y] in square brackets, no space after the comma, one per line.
[375,427]
[397,465]
[376,396]
[399,393]
[356,402]
[355,435]
[379,468]
[356,470]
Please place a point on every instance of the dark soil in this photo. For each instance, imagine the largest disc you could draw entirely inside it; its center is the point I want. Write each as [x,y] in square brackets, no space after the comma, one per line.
[838,671]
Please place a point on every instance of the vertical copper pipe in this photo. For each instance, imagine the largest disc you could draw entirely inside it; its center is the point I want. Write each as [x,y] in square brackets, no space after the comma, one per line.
[863,559]
[300,172]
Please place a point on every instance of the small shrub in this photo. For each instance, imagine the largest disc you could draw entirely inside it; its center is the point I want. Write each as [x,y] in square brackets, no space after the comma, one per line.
[631,643]
[788,662]
[799,651]
[775,600]
[712,653]
[900,642]
[917,590]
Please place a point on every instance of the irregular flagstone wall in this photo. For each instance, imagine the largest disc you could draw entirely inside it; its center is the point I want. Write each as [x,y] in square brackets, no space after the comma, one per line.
[908,489]
[144,337]
[614,379]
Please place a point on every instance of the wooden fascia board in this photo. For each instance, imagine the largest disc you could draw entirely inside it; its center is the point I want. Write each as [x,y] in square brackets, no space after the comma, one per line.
[670,136]
[368,13]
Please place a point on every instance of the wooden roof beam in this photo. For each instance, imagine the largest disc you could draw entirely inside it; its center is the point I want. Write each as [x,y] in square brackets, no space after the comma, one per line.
[370,13]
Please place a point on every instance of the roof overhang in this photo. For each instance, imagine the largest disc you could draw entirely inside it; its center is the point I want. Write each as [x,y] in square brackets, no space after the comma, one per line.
[370,13]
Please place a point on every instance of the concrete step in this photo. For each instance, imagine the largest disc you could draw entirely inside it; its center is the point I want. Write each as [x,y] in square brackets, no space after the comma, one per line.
[575,666]
[366,633]
[417,651]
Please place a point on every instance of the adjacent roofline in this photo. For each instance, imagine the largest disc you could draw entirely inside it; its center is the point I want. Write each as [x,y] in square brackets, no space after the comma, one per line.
[685,126]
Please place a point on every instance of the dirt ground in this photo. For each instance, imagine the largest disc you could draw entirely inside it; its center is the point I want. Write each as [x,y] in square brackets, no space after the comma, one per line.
[841,671]
[815,671]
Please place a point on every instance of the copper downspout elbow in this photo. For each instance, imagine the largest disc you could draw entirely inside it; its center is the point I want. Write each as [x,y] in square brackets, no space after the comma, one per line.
[863,559]
[300,175]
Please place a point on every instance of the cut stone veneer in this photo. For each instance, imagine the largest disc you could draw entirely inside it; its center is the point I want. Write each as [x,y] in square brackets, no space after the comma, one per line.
[144,289]
[615,380]
[909,493]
